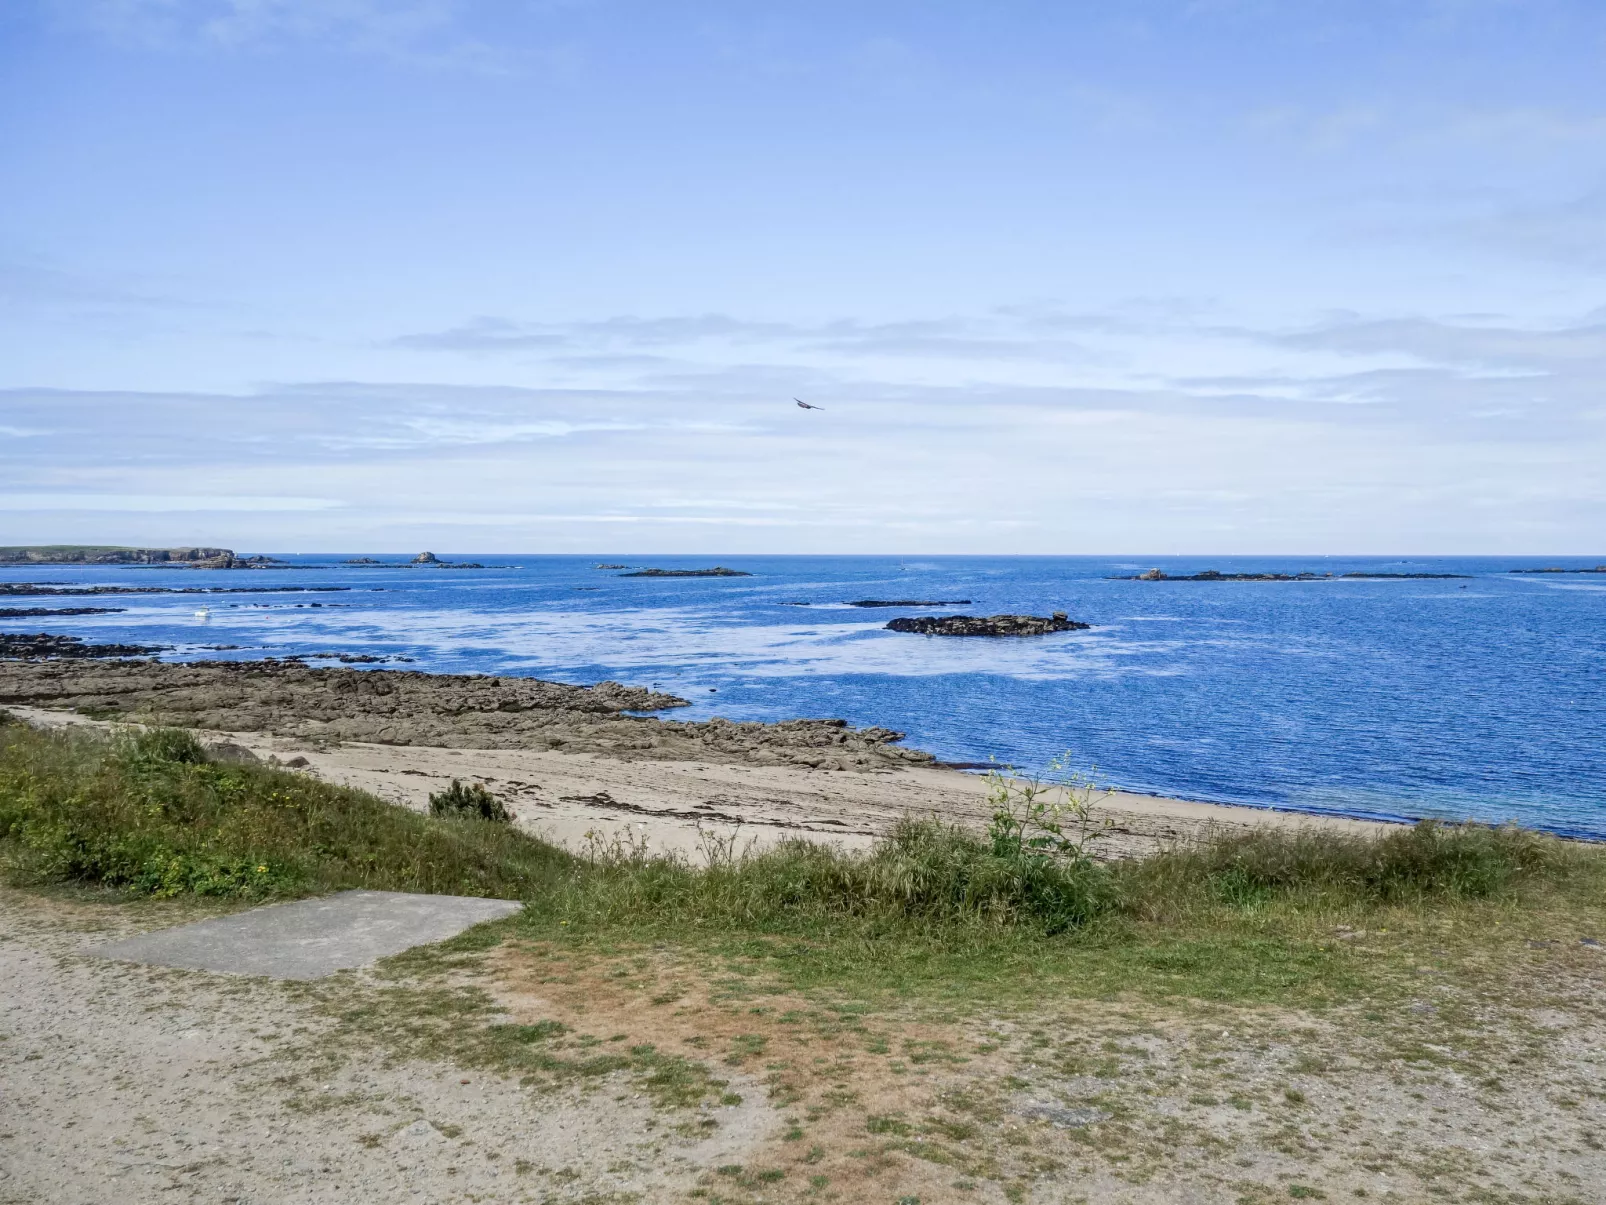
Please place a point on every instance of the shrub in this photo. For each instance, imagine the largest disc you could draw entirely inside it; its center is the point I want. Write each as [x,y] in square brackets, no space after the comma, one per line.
[472,800]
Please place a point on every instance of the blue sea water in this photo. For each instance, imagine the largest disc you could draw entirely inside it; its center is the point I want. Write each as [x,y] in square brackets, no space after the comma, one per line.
[1480,698]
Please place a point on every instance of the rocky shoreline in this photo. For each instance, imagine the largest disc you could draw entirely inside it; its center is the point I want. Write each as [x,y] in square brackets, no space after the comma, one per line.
[404,707]
[987,625]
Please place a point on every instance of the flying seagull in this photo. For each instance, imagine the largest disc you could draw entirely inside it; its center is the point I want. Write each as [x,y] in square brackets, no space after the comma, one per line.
[805,405]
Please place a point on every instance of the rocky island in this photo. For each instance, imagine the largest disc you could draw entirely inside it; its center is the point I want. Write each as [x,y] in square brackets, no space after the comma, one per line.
[716,571]
[987,625]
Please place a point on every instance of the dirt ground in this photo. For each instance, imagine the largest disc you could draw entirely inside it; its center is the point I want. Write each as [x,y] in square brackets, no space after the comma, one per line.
[135,1084]
[125,1083]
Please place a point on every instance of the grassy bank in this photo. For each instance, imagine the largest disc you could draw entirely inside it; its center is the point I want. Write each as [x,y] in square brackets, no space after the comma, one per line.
[151,814]
[929,908]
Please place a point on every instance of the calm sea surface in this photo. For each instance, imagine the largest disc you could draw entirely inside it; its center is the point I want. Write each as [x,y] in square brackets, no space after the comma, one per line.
[1483,697]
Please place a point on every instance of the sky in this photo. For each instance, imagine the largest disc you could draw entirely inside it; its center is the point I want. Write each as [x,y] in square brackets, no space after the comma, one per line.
[1158,276]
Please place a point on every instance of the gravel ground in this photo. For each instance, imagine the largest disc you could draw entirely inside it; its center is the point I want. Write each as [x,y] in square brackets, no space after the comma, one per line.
[132,1084]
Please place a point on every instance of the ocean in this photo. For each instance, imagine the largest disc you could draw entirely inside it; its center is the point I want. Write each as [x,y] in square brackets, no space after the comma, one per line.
[1480,697]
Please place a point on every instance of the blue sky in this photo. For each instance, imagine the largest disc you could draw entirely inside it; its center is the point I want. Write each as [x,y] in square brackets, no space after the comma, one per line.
[1159,277]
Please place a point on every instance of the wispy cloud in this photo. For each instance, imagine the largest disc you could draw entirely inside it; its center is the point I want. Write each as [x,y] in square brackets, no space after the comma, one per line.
[1000,335]
[1538,349]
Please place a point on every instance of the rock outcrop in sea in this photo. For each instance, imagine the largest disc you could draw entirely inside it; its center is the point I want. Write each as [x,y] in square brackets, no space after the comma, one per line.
[41,646]
[716,571]
[987,625]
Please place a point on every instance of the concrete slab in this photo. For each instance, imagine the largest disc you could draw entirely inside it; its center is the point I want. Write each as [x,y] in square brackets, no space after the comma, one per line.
[309,939]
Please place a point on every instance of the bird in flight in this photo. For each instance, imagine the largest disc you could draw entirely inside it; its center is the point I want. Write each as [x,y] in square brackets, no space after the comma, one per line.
[805,405]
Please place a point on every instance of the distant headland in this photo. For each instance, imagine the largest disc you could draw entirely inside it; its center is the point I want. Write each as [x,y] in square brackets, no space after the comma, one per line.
[103,554]
[1212,575]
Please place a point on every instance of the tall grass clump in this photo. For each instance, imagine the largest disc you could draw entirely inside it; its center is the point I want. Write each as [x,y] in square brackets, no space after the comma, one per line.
[150,813]
[1035,865]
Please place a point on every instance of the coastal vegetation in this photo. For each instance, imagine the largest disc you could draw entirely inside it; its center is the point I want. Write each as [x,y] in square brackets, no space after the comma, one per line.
[153,812]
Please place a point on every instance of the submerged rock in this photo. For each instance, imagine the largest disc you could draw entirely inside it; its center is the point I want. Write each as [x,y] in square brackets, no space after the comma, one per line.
[987,625]
[909,602]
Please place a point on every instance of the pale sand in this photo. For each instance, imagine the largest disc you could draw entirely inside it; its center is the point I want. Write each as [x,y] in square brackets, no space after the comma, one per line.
[674,804]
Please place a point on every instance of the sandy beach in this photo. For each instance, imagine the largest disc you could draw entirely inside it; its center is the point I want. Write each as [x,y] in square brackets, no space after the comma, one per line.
[571,761]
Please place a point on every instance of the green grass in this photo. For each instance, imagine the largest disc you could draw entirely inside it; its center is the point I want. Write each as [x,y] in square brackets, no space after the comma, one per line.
[149,814]
[928,910]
